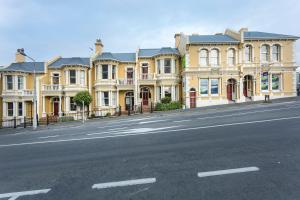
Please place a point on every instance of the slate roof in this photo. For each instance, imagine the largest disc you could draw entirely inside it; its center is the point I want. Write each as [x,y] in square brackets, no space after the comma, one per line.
[156,52]
[198,39]
[121,57]
[70,61]
[26,67]
[251,35]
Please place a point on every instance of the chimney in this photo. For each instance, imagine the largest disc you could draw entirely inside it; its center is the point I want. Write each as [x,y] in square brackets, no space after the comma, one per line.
[19,57]
[98,46]
[178,38]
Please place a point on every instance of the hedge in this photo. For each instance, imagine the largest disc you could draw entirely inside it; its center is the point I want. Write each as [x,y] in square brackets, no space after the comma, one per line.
[168,106]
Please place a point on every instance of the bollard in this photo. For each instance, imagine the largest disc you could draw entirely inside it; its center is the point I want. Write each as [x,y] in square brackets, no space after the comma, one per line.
[120,112]
[37,120]
[24,122]
[141,107]
[128,108]
[15,122]
[47,119]
[151,107]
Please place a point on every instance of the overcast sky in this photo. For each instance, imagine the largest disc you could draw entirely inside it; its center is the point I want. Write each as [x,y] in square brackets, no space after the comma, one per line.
[47,28]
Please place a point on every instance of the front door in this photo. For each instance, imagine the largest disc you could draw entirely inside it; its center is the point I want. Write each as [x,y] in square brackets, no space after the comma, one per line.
[55,105]
[145,96]
[229,92]
[192,99]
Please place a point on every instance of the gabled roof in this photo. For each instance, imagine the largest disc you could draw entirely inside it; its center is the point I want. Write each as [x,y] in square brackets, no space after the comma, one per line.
[255,35]
[70,61]
[120,57]
[219,38]
[156,52]
[29,67]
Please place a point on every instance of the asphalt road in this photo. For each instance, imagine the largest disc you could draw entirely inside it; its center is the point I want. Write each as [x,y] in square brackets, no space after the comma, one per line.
[249,152]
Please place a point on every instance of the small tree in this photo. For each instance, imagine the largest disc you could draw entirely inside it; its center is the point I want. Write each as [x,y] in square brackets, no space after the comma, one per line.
[83,96]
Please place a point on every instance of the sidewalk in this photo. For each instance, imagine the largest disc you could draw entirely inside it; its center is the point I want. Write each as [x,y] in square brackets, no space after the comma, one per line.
[5,131]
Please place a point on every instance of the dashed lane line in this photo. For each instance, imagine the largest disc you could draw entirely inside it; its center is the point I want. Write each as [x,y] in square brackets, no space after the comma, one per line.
[15,195]
[124,183]
[227,171]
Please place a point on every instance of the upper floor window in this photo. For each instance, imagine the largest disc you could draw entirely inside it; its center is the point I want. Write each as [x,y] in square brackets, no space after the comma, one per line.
[248,53]
[276,53]
[104,71]
[129,75]
[214,57]
[265,53]
[9,82]
[167,66]
[20,82]
[158,66]
[82,77]
[231,56]
[113,72]
[204,57]
[72,76]
[55,79]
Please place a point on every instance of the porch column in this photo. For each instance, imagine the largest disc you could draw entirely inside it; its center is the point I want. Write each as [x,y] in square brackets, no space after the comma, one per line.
[15,109]
[242,97]
[162,92]
[173,93]
[59,108]
[117,98]
[4,103]
[67,104]
[44,106]
[110,98]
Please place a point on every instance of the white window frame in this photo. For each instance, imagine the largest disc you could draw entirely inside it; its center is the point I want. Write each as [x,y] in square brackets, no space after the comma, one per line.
[248,57]
[20,77]
[168,66]
[210,86]
[12,110]
[265,53]
[202,57]
[82,77]
[231,57]
[72,77]
[12,82]
[20,103]
[279,82]
[103,98]
[200,85]
[278,54]
[212,59]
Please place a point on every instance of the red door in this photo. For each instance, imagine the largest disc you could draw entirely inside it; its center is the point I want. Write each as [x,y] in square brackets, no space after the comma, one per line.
[145,98]
[229,92]
[56,108]
[245,88]
[192,99]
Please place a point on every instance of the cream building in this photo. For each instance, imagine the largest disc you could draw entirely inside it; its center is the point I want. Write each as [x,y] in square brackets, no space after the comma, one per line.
[201,70]
[236,67]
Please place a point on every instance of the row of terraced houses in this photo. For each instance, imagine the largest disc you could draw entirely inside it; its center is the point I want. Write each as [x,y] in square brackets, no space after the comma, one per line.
[201,70]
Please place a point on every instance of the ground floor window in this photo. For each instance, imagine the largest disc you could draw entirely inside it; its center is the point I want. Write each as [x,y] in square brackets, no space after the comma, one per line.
[204,86]
[114,98]
[168,92]
[20,109]
[105,99]
[275,82]
[10,109]
[214,86]
[72,104]
[265,81]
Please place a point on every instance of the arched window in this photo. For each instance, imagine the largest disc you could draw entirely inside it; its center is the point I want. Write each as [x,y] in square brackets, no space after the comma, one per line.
[265,53]
[204,57]
[248,53]
[231,57]
[214,57]
[276,53]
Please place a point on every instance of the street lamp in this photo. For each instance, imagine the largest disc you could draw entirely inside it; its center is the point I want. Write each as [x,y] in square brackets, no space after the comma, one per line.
[34,123]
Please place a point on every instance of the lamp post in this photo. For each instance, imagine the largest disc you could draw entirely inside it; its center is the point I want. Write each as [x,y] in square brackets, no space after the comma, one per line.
[34,123]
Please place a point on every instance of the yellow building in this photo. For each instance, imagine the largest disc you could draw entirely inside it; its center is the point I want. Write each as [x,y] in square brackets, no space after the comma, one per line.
[236,67]
[201,70]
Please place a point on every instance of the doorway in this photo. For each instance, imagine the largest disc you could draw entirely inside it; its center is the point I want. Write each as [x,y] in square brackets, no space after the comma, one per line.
[192,98]
[231,89]
[145,95]
[129,101]
[248,86]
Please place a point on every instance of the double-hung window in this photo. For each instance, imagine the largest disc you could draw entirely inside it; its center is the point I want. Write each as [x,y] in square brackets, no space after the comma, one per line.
[231,57]
[158,62]
[72,104]
[9,82]
[113,72]
[105,98]
[72,76]
[214,86]
[10,109]
[248,53]
[204,57]
[55,79]
[214,57]
[265,53]
[167,67]
[20,82]
[104,71]
[204,86]
[276,53]
[20,109]
[82,77]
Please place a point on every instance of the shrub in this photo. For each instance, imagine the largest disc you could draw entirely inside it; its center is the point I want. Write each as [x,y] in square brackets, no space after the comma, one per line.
[66,119]
[166,100]
[108,114]
[168,106]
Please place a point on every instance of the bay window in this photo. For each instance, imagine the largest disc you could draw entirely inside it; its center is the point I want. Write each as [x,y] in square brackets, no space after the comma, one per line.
[72,104]
[105,99]
[158,62]
[10,109]
[82,77]
[167,66]
[72,76]
[104,71]
[113,72]
[9,82]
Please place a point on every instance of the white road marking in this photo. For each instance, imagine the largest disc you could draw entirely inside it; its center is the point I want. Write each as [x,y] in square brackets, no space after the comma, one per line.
[227,171]
[245,113]
[148,122]
[184,120]
[50,136]
[15,195]
[160,131]
[142,119]
[124,183]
